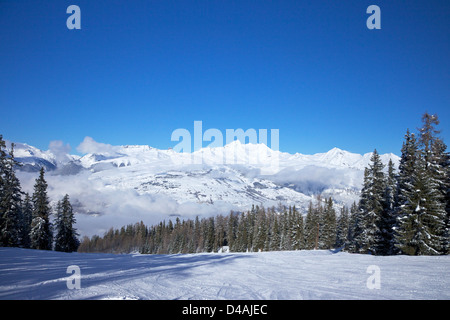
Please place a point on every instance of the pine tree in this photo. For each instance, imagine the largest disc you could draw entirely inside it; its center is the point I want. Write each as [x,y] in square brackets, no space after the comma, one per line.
[342,227]
[41,235]
[329,225]
[209,235]
[27,213]
[2,177]
[275,242]
[387,218]
[231,229]
[353,229]
[297,228]
[66,235]
[444,187]
[420,228]
[285,236]
[260,230]
[10,204]
[369,236]
[311,227]
[435,175]
[359,238]
[59,228]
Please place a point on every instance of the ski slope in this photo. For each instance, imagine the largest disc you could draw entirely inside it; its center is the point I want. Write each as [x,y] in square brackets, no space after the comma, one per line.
[33,274]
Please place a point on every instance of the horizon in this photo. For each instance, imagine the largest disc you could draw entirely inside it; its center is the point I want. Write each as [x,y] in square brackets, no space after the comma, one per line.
[81,154]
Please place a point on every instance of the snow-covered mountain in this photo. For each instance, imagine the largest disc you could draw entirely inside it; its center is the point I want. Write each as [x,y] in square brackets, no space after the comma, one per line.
[140,182]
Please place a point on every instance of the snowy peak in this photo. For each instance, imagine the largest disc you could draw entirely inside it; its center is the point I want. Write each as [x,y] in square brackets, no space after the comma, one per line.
[338,157]
[118,180]
[235,152]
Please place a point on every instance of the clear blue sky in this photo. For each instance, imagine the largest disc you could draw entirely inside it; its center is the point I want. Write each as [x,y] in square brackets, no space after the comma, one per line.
[137,70]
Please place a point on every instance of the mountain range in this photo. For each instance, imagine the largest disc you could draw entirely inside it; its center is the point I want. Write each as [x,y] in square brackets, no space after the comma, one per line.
[117,185]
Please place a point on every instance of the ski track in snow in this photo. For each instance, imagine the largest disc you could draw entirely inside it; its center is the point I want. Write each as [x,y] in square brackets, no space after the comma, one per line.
[33,274]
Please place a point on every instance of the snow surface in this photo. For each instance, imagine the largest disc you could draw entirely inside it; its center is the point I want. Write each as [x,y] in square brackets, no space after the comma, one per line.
[286,275]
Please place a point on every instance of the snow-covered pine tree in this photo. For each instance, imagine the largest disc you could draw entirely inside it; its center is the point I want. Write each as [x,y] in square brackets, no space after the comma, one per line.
[353,223]
[286,243]
[27,213]
[2,174]
[41,235]
[434,154]
[220,231]
[329,225]
[260,230]
[406,179]
[297,230]
[66,238]
[342,226]
[387,218]
[311,227]
[59,228]
[368,236]
[10,203]
[275,241]
[359,238]
[240,243]
[231,229]
[319,215]
[444,187]
[209,235]
[380,245]
[420,228]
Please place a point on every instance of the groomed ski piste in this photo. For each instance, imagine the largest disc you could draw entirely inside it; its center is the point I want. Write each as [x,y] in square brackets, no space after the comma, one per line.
[284,275]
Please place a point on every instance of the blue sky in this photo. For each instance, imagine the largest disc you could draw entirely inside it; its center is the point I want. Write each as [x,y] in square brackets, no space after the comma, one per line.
[137,70]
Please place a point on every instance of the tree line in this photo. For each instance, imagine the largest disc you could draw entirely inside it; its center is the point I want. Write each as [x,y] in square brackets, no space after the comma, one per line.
[404,211]
[25,221]
[258,229]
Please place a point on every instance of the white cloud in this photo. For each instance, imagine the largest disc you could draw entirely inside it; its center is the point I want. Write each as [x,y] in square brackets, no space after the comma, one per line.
[89,145]
[59,150]
[99,206]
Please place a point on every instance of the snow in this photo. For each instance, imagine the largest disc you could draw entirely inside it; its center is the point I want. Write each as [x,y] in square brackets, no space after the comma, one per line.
[286,275]
[112,186]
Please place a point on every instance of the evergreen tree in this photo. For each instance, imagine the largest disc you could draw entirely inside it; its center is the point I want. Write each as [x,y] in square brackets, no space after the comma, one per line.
[285,235]
[359,239]
[275,242]
[437,164]
[231,229]
[342,227]
[353,229]
[260,230]
[421,209]
[311,227]
[329,225]
[368,234]
[59,227]
[27,213]
[444,188]
[209,235]
[10,203]
[2,178]
[66,235]
[387,218]
[41,235]
[435,176]
[297,230]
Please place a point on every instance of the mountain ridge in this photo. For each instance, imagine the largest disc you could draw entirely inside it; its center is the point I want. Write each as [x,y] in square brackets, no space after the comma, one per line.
[122,184]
